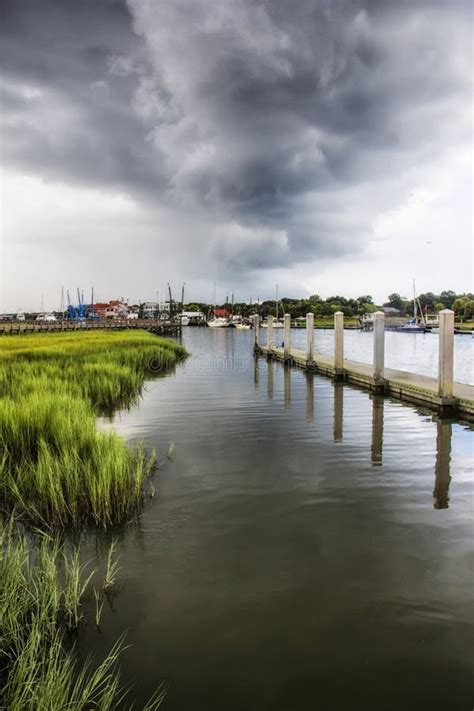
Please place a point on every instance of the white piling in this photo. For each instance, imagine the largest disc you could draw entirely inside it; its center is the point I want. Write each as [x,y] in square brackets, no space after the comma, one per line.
[446,353]
[287,337]
[269,332]
[339,341]
[309,337]
[256,324]
[379,345]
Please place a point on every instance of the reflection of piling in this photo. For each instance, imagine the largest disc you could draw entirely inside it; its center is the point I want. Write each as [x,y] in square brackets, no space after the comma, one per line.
[287,384]
[309,397]
[256,373]
[442,466]
[338,411]
[270,378]
[377,431]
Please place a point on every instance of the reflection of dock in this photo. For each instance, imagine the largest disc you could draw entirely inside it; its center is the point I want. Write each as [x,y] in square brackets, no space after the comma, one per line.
[443,427]
[437,393]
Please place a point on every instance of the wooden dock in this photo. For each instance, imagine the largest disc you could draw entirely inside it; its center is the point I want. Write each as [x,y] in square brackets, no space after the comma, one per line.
[450,398]
[157,326]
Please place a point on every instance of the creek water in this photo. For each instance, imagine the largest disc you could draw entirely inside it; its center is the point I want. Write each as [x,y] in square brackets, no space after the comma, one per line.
[309,546]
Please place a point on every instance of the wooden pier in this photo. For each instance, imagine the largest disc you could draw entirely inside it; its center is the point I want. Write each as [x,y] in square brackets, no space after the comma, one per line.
[157,326]
[441,394]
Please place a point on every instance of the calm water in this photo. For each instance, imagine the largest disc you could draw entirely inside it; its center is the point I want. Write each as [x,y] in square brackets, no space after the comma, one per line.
[310,546]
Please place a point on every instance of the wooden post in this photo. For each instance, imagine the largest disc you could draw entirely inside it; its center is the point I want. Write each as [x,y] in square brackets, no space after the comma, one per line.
[379,345]
[446,353]
[339,342]
[309,337]
[287,337]
[269,332]
[256,324]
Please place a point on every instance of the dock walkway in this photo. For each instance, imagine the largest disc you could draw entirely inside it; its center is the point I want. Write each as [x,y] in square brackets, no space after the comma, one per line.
[441,394]
[157,326]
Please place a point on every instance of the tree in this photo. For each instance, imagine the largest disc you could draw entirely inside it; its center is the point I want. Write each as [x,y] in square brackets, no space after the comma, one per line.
[396,301]
[448,298]
[463,306]
[428,299]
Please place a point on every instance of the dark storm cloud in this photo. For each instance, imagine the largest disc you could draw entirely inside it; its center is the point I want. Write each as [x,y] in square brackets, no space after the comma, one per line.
[65,115]
[266,116]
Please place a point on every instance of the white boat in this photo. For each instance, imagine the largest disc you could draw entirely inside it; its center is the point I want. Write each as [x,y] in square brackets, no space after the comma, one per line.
[218,323]
[184,320]
[276,324]
[243,326]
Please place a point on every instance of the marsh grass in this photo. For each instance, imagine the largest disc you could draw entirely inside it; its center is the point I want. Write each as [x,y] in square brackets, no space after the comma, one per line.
[58,471]
[42,588]
[56,468]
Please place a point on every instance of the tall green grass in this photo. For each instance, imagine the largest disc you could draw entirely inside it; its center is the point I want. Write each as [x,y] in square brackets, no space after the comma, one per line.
[56,468]
[42,591]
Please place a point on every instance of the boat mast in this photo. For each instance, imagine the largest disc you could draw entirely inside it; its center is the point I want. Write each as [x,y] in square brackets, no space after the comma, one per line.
[276,302]
[414,301]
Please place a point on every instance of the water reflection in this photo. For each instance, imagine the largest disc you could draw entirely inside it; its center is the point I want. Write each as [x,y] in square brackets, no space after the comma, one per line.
[338,412]
[287,384]
[443,431]
[270,379]
[309,397]
[442,466]
[220,580]
[377,430]
[256,373]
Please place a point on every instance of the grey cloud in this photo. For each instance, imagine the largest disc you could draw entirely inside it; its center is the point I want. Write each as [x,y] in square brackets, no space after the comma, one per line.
[270,116]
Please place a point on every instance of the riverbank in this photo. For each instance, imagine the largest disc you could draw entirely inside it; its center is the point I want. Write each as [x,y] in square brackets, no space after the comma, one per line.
[59,471]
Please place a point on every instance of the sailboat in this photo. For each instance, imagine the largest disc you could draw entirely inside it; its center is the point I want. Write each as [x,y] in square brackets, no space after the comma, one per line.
[277,323]
[413,326]
[217,321]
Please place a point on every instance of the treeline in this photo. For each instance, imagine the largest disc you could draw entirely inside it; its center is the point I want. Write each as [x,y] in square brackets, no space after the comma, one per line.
[462,304]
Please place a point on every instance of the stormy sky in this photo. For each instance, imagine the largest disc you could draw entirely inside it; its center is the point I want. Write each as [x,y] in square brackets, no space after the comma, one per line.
[321,144]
